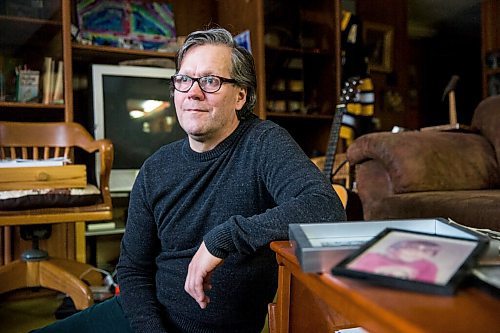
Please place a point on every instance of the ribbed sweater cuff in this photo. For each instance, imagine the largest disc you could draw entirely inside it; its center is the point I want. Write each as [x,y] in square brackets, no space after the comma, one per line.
[219,241]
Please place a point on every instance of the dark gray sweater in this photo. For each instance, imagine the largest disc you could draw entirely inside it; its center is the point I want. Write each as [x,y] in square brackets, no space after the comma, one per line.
[238,198]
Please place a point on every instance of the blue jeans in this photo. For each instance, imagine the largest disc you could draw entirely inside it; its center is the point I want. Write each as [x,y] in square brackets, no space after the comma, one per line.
[105,317]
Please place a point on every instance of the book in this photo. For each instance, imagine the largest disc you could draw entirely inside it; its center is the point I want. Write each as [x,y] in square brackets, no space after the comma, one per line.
[58,97]
[27,85]
[47,80]
[101,226]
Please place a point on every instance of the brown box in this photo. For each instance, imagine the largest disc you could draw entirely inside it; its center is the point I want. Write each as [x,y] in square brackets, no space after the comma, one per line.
[27,178]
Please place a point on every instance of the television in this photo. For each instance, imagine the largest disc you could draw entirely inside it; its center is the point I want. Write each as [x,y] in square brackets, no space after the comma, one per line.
[133,108]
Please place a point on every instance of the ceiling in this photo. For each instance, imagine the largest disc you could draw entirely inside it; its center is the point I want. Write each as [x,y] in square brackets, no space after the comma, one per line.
[427,16]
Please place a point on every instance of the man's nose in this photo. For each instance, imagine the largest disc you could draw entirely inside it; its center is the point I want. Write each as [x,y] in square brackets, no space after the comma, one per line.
[195,91]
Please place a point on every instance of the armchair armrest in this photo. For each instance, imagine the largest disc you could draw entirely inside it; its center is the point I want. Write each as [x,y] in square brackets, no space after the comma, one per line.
[426,161]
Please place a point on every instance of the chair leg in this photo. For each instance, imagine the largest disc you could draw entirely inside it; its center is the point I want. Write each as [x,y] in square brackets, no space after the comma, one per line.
[53,274]
[13,276]
[57,274]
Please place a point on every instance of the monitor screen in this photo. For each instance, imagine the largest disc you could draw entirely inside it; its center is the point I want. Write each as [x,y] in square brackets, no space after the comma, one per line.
[133,108]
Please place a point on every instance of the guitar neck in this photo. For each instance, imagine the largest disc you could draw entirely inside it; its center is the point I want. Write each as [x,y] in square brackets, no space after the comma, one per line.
[333,141]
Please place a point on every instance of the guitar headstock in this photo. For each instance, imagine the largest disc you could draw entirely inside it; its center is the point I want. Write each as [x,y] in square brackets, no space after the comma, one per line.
[350,91]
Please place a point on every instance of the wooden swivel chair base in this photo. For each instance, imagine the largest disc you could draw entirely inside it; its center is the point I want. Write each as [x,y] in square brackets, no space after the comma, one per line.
[57,274]
[43,141]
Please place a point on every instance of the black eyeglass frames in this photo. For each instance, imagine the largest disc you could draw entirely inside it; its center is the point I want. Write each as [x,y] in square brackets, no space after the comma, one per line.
[209,84]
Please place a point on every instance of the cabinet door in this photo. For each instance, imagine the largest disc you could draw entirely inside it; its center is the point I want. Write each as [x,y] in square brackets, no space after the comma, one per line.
[33,61]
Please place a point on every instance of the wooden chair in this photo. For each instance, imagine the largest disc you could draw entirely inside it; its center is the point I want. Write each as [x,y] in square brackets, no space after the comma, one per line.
[41,141]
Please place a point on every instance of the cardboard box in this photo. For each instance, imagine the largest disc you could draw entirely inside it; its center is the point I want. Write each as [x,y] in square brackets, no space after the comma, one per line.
[320,246]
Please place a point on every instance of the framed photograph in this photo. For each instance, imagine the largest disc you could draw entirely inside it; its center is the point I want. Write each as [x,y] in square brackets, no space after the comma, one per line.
[413,260]
[379,39]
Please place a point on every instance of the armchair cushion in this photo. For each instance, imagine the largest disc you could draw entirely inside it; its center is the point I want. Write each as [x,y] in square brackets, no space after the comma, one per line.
[49,198]
[430,161]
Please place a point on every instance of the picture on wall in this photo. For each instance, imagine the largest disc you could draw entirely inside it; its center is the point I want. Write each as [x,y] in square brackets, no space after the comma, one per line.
[379,39]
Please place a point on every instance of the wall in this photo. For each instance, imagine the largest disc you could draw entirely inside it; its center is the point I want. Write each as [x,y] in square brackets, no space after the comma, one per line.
[423,67]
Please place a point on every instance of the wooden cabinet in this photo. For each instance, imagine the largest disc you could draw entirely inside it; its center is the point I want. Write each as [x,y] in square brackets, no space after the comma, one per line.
[490,49]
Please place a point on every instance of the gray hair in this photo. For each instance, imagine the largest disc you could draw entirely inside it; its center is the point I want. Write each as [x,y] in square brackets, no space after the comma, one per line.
[242,62]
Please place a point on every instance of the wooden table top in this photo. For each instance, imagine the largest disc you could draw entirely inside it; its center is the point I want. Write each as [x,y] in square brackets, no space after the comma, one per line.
[382,309]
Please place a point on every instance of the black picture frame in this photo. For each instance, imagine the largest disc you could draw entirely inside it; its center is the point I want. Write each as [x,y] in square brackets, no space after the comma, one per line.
[415,261]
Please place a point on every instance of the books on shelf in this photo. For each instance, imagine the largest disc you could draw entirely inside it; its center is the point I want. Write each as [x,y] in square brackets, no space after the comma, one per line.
[52,84]
[27,85]
[97,226]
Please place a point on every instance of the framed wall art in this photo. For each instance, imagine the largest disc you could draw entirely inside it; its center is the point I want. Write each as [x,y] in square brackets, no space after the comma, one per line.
[379,40]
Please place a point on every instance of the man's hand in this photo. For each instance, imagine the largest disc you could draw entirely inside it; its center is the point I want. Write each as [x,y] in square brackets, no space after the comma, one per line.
[198,278]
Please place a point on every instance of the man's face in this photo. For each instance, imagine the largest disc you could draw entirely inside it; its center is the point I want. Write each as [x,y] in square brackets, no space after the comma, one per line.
[208,118]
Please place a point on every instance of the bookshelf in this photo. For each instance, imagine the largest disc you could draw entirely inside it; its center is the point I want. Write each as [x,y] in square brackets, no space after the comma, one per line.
[25,40]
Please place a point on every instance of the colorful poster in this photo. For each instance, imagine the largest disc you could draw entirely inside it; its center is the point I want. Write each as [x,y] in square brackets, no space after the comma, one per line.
[128,24]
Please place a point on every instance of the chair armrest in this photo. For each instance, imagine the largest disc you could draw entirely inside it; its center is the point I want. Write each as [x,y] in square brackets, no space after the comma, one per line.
[106,153]
[81,138]
[426,161]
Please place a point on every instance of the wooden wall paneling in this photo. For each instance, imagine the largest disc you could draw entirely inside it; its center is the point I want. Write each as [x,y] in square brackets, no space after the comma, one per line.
[250,17]
[193,15]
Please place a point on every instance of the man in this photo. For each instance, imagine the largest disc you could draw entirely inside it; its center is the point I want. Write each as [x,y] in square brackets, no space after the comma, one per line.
[195,255]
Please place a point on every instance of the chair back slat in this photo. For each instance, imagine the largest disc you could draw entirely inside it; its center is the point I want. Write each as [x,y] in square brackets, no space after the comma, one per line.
[35,152]
[46,152]
[67,152]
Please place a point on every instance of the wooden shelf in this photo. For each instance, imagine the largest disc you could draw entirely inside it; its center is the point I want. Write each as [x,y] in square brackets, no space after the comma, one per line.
[298,51]
[109,54]
[22,30]
[492,71]
[22,105]
[271,114]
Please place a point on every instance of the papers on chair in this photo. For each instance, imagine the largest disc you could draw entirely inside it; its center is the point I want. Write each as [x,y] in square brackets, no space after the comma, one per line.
[352,330]
[23,163]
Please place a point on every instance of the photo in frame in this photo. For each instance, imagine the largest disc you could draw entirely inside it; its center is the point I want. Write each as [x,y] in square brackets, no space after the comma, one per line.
[412,260]
[379,40]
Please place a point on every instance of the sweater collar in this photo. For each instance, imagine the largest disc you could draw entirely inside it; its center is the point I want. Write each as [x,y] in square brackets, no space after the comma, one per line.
[221,147]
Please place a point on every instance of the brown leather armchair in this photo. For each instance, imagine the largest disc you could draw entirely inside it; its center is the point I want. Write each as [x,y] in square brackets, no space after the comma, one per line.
[425,174]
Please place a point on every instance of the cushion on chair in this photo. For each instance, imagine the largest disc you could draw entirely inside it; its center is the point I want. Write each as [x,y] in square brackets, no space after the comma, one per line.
[49,198]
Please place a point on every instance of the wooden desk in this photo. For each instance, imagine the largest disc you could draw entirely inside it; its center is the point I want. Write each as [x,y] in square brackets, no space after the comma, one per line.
[323,303]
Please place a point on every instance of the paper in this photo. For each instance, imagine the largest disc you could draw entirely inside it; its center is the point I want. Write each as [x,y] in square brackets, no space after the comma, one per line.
[23,163]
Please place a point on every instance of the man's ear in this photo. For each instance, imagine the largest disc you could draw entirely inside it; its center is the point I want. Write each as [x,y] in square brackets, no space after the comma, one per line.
[241,98]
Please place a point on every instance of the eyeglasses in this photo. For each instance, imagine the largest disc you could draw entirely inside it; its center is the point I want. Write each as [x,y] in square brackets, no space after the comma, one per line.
[209,83]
